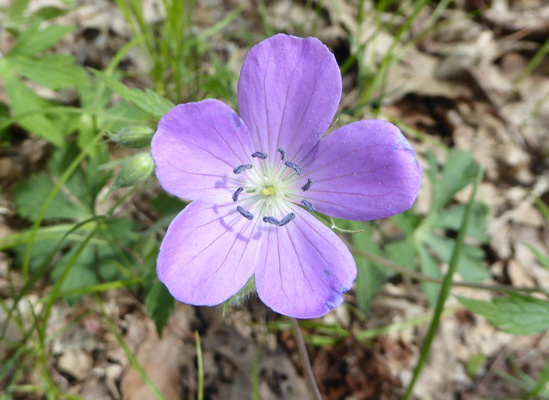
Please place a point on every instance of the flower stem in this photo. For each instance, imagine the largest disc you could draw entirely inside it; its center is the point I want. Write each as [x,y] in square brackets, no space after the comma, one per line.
[305,358]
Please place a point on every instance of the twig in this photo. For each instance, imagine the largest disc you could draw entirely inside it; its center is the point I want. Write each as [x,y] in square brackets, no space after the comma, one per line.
[305,358]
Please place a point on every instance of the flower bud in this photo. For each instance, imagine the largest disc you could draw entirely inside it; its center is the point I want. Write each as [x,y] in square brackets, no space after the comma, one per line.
[134,171]
[133,137]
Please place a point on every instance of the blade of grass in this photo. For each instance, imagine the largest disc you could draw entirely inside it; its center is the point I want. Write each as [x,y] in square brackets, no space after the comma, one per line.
[255,372]
[445,289]
[200,367]
[131,358]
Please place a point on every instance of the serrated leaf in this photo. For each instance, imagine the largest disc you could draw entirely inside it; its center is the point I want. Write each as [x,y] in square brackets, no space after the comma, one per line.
[516,314]
[458,172]
[370,276]
[159,304]
[452,217]
[56,71]
[146,100]
[34,40]
[30,194]
[471,262]
[28,105]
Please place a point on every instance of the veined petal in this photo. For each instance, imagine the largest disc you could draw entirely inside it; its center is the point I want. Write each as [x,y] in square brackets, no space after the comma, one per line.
[288,93]
[304,268]
[196,148]
[363,171]
[208,254]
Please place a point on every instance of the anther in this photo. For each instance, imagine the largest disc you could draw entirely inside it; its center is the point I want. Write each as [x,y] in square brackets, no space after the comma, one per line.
[308,205]
[259,154]
[282,153]
[308,185]
[282,222]
[242,168]
[237,192]
[244,213]
[293,166]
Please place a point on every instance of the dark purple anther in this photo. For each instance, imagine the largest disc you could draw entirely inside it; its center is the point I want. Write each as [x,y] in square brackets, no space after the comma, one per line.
[308,185]
[259,154]
[245,214]
[282,153]
[282,222]
[308,205]
[237,192]
[293,166]
[242,167]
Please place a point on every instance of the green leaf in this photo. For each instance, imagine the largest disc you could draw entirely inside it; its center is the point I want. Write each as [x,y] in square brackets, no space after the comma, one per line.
[146,100]
[30,193]
[81,275]
[470,266]
[159,304]
[457,173]
[73,202]
[370,276]
[403,252]
[28,106]
[16,10]
[517,314]
[34,40]
[56,71]
[451,219]
[542,259]
[430,268]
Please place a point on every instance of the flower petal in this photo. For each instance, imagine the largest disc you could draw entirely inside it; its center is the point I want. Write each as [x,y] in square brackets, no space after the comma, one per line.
[208,254]
[288,93]
[363,171]
[196,148]
[304,268]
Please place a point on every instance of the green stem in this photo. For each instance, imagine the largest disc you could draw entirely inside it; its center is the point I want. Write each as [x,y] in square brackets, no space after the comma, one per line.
[445,289]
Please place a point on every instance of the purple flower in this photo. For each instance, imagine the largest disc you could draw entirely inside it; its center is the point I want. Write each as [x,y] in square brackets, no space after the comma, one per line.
[254,181]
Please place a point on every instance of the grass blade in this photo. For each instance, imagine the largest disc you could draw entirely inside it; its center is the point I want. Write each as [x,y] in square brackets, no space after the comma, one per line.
[445,289]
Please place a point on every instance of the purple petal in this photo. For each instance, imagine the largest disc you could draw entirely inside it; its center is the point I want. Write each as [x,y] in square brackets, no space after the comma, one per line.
[363,171]
[288,93]
[304,268]
[208,254]
[196,148]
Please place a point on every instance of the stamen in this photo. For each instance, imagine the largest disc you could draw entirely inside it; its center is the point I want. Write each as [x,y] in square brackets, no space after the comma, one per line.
[282,153]
[293,166]
[236,193]
[308,185]
[282,222]
[245,214]
[308,205]
[242,167]
[259,154]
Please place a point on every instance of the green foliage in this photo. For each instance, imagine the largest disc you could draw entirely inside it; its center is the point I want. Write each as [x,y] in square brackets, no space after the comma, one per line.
[427,243]
[146,100]
[517,314]
[159,304]
[369,275]
[74,202]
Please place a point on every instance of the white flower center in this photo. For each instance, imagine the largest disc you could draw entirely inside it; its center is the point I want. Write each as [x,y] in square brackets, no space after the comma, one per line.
[273,187]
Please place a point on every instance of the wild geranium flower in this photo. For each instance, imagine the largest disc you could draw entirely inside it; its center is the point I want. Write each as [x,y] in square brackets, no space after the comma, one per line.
[255,180]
